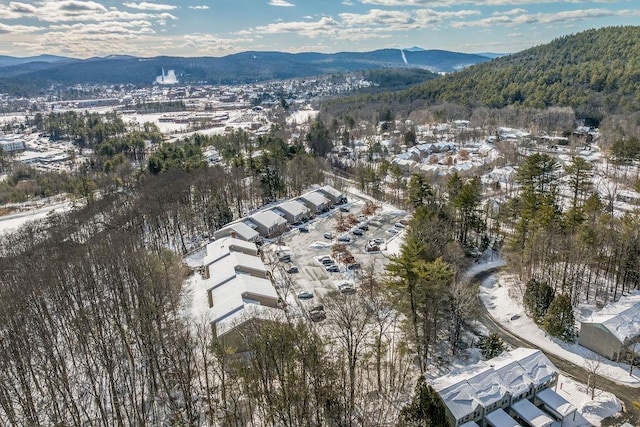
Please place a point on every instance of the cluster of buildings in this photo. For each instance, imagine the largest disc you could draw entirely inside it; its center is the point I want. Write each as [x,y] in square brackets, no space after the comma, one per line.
[235,289]
[513,389]
[272,222]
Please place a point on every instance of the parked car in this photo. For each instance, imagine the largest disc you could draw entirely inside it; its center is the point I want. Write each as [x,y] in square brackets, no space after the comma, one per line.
[344,209]
[305,295]
[332,268]
[344,239]
[327,261]
[346,289]
[303,229]
[317,307]
[364,227]
[328,235]
[317,316]
[353,266]
[392,231]
[285,258]
[378,240]
[293,269]
[357,232]
[398,225]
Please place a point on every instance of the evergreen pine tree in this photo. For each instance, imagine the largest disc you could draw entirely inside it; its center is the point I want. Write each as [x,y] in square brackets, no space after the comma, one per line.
[491,346]
[426,408]
[559,320]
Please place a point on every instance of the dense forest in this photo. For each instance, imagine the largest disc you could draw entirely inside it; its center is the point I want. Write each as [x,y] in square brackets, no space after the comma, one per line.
[595,72]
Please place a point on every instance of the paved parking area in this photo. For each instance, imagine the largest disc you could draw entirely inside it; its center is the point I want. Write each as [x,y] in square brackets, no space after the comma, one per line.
[307,248]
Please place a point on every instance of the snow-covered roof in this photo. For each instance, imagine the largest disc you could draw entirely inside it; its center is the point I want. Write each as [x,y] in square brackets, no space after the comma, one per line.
[531,414]
[248,311]
[234,294]
[488,386]
[315,198]
[621,318]
[221,248]
[535,363]
[556,403]
[268,219]
[488,382]
[294,208]
[470,424]
[459,397]
[241,229]
[499,418]
[514,376]
[331,191]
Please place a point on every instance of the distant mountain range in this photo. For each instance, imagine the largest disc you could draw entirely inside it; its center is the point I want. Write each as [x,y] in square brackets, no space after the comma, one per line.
[232,69]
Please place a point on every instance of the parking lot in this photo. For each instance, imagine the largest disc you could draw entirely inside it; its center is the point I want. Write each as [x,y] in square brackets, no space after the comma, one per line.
[310,250]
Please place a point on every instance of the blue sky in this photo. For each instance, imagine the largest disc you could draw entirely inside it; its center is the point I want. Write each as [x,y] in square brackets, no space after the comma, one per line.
[85,28]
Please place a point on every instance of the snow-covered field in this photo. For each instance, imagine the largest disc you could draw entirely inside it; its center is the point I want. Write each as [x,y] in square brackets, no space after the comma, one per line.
[502,295]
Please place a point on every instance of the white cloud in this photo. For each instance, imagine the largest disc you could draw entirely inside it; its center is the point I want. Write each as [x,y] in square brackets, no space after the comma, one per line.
[448,3]
[18,29]
[281,3]
[512,20]
[201,7]
[149,6]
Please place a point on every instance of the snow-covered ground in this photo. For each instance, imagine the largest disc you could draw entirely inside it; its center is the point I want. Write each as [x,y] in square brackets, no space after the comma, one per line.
[502,295]
[14,221]
[589,412]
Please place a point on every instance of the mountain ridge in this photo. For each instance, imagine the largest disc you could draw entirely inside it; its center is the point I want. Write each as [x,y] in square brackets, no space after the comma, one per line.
[232,69]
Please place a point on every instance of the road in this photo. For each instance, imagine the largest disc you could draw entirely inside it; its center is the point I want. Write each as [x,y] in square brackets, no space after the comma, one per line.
[626,394]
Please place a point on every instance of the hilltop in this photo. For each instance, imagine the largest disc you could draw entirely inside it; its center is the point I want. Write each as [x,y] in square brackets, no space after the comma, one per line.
[595,70]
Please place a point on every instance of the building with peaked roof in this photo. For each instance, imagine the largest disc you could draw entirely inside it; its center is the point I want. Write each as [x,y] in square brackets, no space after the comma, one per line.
[478,393]
[614,332]
[239,230]
[268,223]
[293,211]
[238,290]
[335,196]
[315,201]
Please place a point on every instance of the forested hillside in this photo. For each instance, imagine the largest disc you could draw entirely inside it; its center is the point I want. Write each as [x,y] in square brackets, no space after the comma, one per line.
[595,72]
[592,70]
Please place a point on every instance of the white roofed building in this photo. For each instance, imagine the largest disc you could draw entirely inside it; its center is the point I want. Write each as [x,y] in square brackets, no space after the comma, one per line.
[268,223]
[293,211]
[335,196]
[614,332]
[237,290]
[315,201]
[484,393]
[239,230]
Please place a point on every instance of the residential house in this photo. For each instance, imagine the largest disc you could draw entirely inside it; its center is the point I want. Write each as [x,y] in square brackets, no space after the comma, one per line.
[614,332]
[268,223]
[293,211]
[335,196]
[239,230]
[487,392]
[315,201]
[238,290]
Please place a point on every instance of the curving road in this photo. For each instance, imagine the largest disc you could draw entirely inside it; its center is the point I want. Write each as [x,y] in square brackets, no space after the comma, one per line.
[626,394]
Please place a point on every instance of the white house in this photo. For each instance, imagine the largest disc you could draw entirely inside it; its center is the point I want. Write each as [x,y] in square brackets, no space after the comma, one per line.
[315,201]
[268,223]
[237,289]
[239,230]
[614,332]
[487,392]
[293,211]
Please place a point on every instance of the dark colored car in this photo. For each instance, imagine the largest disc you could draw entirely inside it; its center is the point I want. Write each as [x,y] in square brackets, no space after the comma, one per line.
[357,232]
[333,268]
[305,295]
